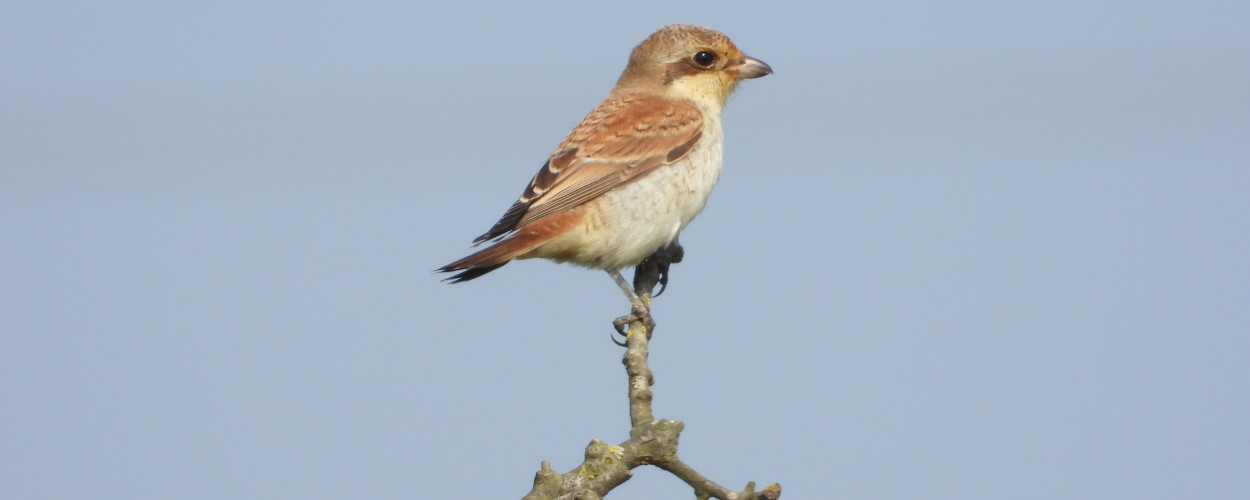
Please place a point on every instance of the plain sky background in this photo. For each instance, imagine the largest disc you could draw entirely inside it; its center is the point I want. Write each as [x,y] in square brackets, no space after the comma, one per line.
[959,250]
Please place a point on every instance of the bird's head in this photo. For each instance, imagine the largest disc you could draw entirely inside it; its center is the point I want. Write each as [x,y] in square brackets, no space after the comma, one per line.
[689,62]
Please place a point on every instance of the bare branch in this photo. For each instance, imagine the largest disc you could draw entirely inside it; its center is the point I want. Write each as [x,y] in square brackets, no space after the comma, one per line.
[651,441]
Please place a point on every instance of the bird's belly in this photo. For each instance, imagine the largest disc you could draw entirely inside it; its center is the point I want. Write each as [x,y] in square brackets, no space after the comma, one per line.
[624,226]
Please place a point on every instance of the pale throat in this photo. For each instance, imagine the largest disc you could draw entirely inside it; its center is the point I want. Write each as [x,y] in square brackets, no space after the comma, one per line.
[707,91]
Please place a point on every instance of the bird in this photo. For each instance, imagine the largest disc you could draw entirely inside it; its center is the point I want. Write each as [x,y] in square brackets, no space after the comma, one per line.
[634,172]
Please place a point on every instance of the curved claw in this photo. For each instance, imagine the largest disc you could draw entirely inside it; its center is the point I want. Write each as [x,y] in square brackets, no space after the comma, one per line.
[663,278]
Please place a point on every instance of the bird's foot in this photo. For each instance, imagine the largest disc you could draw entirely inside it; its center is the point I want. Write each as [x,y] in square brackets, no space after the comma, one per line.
[638,313]
[663,258]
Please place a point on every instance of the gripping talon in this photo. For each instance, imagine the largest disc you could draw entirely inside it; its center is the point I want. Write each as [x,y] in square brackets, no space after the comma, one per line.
[663,258]
[621,324]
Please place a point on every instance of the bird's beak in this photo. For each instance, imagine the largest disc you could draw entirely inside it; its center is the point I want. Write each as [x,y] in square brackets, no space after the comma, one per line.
[753,68]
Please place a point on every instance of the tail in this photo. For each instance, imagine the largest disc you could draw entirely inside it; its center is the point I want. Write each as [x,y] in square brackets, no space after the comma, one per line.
[525,239]
[484,261]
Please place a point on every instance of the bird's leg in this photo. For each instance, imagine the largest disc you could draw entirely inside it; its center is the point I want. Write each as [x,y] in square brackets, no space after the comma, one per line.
[639,309]
[662,259]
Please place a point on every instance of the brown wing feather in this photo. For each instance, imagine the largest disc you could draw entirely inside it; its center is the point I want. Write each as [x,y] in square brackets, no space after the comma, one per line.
[620,141]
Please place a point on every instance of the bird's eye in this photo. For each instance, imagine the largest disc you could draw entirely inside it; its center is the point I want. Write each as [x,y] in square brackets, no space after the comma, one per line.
[705,58]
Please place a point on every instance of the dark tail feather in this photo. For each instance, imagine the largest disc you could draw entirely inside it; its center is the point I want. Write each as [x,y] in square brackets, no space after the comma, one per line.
[468,274]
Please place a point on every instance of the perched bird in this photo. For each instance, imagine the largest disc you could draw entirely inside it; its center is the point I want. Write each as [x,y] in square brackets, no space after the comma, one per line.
[635,171]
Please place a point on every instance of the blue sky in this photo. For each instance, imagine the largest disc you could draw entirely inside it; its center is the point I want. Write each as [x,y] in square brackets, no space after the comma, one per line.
[970,250]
